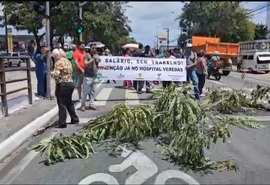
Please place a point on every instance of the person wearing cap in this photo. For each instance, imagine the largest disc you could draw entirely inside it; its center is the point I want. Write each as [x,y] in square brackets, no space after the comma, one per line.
[62,74]
[78,55]
[191,59]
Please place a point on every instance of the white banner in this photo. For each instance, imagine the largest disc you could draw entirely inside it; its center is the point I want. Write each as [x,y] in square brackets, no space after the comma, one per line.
[137,68]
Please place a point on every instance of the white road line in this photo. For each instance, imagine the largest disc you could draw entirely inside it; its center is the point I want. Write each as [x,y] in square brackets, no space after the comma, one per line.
[22,164]
[103,96]
[131,98]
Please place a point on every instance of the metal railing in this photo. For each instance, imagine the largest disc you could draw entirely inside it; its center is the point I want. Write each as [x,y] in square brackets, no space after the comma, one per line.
[3,82]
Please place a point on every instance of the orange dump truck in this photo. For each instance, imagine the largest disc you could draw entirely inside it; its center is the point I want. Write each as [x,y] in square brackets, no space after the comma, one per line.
[226,51]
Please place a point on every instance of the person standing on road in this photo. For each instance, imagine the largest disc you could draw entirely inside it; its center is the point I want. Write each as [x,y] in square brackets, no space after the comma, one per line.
[107,53]
[127,83]
[191,58]
[169,55]
[62,74]
[91,61]
[41,70]
[78,58]
[201,71]
[31,49]
[138,85]
[70,53]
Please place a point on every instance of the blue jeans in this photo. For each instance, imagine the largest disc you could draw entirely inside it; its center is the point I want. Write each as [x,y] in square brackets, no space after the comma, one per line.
[192,75]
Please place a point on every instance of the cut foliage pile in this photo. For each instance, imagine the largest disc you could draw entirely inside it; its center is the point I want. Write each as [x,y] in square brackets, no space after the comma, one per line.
[182,126]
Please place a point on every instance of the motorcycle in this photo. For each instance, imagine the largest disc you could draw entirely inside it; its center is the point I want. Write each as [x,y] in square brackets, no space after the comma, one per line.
[216,72]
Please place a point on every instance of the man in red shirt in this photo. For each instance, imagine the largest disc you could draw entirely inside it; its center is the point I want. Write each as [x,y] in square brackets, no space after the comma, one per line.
[78,58]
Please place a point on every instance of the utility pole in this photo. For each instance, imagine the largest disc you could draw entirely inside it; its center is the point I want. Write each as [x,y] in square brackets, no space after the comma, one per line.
[48,62]
[157,41]
[168,37]
[80,18]
[6,31]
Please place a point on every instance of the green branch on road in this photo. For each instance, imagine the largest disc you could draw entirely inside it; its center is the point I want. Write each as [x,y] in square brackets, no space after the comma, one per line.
[182,126]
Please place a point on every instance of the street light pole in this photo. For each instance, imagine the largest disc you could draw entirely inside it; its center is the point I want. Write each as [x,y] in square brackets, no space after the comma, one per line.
[168,37]
[81,17]
[157,41]
[48,62]
[6,31]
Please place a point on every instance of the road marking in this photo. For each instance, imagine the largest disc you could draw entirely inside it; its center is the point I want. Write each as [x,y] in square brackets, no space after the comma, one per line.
[146,168]
[99,177]
[172,174]
[103,96]
[22,164]
[131,98]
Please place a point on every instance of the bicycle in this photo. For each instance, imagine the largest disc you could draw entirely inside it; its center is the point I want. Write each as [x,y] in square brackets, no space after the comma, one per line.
[146,168]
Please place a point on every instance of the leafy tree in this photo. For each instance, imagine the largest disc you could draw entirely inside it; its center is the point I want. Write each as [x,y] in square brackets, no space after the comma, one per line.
[261,32]
[103,21]
[21,18]
[227,20]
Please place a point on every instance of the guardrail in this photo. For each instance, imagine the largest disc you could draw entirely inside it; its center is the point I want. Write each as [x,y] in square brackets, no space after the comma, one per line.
[4,82]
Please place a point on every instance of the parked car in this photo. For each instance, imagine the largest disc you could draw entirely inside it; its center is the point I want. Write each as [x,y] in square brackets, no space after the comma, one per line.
[13,62]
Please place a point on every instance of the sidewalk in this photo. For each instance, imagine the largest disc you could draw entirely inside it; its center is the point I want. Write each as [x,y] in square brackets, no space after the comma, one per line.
[21,125]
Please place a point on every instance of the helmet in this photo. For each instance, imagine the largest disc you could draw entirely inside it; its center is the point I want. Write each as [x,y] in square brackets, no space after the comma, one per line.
[216,53]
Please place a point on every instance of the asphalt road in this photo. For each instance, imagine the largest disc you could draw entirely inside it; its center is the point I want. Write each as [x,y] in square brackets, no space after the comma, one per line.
[250,148]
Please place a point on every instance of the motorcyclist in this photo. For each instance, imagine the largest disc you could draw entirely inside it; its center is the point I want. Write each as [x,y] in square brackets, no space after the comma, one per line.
[213,62]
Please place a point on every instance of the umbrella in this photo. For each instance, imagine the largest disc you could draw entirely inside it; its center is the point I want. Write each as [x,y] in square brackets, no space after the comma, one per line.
[98,44]
[131,45]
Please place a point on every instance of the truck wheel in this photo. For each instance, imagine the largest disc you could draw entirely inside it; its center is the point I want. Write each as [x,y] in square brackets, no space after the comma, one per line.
[225,73]
[217,76]
[266,72]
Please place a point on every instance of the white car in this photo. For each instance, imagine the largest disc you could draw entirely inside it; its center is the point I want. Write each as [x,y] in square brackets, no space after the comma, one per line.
[12,62]
[16,62]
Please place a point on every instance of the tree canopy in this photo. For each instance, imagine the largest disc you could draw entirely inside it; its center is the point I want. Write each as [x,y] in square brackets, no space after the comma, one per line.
[102,21]
[227,20]
[261,31]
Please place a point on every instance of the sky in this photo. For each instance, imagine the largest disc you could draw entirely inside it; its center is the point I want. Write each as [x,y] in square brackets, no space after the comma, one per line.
[146,16]
[147,19]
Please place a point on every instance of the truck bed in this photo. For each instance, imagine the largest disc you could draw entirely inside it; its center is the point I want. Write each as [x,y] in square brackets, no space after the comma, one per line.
[224,49]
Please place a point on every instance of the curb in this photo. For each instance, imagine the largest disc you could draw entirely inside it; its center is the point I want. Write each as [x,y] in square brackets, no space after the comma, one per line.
[18,138]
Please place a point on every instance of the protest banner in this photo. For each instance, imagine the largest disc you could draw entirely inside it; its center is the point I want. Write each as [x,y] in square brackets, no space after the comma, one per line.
[138,68]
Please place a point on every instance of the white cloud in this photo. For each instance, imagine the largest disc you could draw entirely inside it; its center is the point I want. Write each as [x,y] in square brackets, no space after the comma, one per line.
[146,16]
